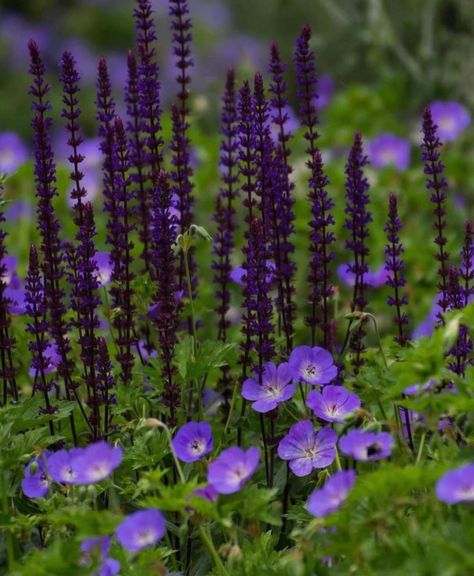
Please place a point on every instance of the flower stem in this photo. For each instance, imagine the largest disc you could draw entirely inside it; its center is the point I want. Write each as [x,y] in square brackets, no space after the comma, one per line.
[209,544]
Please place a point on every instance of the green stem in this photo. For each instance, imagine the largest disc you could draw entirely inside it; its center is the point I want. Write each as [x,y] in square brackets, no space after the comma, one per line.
[379,340]
[9,535]
[420,449]
[209,544]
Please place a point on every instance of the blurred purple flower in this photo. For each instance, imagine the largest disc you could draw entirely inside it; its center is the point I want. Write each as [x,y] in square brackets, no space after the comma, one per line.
[9,264]
[325,91]
[193,441]
[35,483]
[333,403]
[417,388]
[96,462]
[457,485]
[141,529]
[60,465]
[96,550]
[15,293]
[208,493]
[451,118]
[19,210]
[375,279]
[389,150]
[307,449]
[313,366]
[104,267]
[427,326]
[52,357]
[366,446]
[211,400]
[231,470]
[276,387]
[332,495]
[13,152]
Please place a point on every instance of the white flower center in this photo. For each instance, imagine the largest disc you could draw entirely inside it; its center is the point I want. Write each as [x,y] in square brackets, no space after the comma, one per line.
[311,371]
[99,471]
[466,492]
[145,537]
[446,123]
[197,446]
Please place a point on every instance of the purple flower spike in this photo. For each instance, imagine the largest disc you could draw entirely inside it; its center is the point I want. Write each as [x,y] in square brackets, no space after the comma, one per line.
[35,483]
[141,529]
[193,441]
[275,387]
[333,403]
[332,495]
[96,463]
[457,485]
[313,366]
[307,449]
[232,469]
[389,150]
[451,117]
[366,446]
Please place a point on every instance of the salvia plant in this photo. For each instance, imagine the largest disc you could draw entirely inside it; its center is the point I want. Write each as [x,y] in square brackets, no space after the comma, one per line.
[220,395]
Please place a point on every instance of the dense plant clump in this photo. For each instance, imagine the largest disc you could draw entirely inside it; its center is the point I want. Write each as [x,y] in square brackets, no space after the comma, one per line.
[284,424]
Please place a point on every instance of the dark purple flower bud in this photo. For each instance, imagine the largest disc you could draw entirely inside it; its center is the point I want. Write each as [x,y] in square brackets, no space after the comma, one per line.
[105,381]
[306,82]
[437,185]
[71,112]
[357,221]
[164,260]
[462,349]
[395,267]
[246,150]
[138,160]
[7,342]
[322,239]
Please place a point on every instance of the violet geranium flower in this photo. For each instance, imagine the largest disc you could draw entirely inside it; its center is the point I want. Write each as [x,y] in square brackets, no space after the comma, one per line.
[333,403]
[193,441]
[451,118]
[457,485]
[96,549]
[95,463]
[276,387]
[366,446]
[35,483]
[313,366]
[307,449]
[232,469]
[141,529]
[332,495]
[389,150]
[61,465]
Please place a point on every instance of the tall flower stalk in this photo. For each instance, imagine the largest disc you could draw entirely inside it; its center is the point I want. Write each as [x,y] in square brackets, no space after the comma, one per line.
[224,213]
[437,185]
[395,267]
[357,221]
[71,113]
[322,254]
[7,342]
[48,225]
[166,321]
